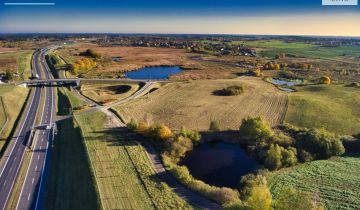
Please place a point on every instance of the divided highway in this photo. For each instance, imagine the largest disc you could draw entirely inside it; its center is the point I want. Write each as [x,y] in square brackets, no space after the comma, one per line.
[30,197]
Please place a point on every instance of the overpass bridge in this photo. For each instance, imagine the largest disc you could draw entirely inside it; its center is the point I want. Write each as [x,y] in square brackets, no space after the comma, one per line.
[73,81]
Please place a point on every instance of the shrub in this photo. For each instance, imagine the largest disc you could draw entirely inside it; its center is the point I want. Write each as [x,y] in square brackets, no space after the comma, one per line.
[220,195]
[260,198]
[273,157]
[320,143]
[142,128]
[233,90]
[164,132]
[132,125]
[305,156]
[325,80]
[214,125]
[91,53]
[248,182]
[288,157]
[179,147]
[255,129]
[193,135]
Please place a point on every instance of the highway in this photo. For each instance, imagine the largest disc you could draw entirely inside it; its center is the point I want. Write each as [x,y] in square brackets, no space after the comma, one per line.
[31,196]
[14,154]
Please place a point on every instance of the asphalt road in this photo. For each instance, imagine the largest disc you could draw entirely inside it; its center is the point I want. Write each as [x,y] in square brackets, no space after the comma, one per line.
[14,154]
[11,162]
[32,192]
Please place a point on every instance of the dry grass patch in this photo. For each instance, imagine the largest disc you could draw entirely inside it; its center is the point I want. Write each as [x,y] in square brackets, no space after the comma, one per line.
[194,105]
[102,93]
[14,99]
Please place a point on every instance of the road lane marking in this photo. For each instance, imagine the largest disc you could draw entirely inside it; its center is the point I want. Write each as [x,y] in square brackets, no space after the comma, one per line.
[29,196]
[38,157]
[36,168]
[33,181]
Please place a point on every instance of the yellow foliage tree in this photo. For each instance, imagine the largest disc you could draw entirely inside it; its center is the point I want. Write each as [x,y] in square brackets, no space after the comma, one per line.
[276,66]
[325,80]
[165,132]
[259,198]
[257,73]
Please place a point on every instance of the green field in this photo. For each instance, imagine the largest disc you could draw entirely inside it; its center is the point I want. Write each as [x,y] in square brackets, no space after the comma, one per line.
[336,181]
[14,99]
[74,100]
[18,61]
[334,107]
[273,47]
[71,185]
[124,175]
[24,64]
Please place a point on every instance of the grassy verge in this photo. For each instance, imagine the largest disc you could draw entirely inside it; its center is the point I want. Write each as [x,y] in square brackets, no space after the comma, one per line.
[24,64]
[336,181]
[75,102]
[334,107]
[117,179]
[71,185]
[14,99]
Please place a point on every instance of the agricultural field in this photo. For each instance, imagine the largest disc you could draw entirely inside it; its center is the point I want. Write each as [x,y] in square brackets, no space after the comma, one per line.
[132,58]
[336,181]
[16,61]
[194,104]
[13,99]
[334,107]
[124,175]
[108,93]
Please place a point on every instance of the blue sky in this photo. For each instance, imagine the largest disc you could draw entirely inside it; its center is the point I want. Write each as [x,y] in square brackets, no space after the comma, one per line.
[175,16]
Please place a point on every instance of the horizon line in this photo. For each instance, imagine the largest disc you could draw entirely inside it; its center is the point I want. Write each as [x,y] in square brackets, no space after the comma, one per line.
[29,3]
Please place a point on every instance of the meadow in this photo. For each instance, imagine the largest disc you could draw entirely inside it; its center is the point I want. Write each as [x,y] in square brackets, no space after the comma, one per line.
[335,181]
[17,61]
[334,107]
[194,104]
[124,175]
[13,99]
[108,93]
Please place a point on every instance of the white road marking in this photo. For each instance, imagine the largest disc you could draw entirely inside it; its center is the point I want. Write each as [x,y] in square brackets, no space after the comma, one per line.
[33,181]
[5,182]
[29,196]
[10,169]
[38,157]
[36,168]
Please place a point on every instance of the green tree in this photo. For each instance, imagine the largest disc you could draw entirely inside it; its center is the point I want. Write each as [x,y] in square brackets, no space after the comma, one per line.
[260,198]
[273,157]
[255,129]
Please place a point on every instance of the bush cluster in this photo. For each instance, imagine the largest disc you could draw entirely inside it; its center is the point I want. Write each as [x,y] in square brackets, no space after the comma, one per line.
[277,150]
[233,90]
[91,53]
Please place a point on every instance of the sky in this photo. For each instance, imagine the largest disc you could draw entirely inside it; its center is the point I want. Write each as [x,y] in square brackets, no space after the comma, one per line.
[281,17]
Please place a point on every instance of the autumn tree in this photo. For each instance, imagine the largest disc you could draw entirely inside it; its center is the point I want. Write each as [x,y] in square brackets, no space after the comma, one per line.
[325,80]
[164,132]
[260,198]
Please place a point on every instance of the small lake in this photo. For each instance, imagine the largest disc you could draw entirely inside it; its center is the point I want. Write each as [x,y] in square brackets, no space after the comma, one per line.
[219,164]
[153,73]
[285,82]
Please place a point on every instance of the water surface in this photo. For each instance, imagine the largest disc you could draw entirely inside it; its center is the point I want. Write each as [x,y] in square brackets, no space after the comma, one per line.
[153,73]
[219,164]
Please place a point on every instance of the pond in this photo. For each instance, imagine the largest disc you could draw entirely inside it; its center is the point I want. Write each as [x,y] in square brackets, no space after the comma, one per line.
[219,164]
[153,73]
[285,82]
